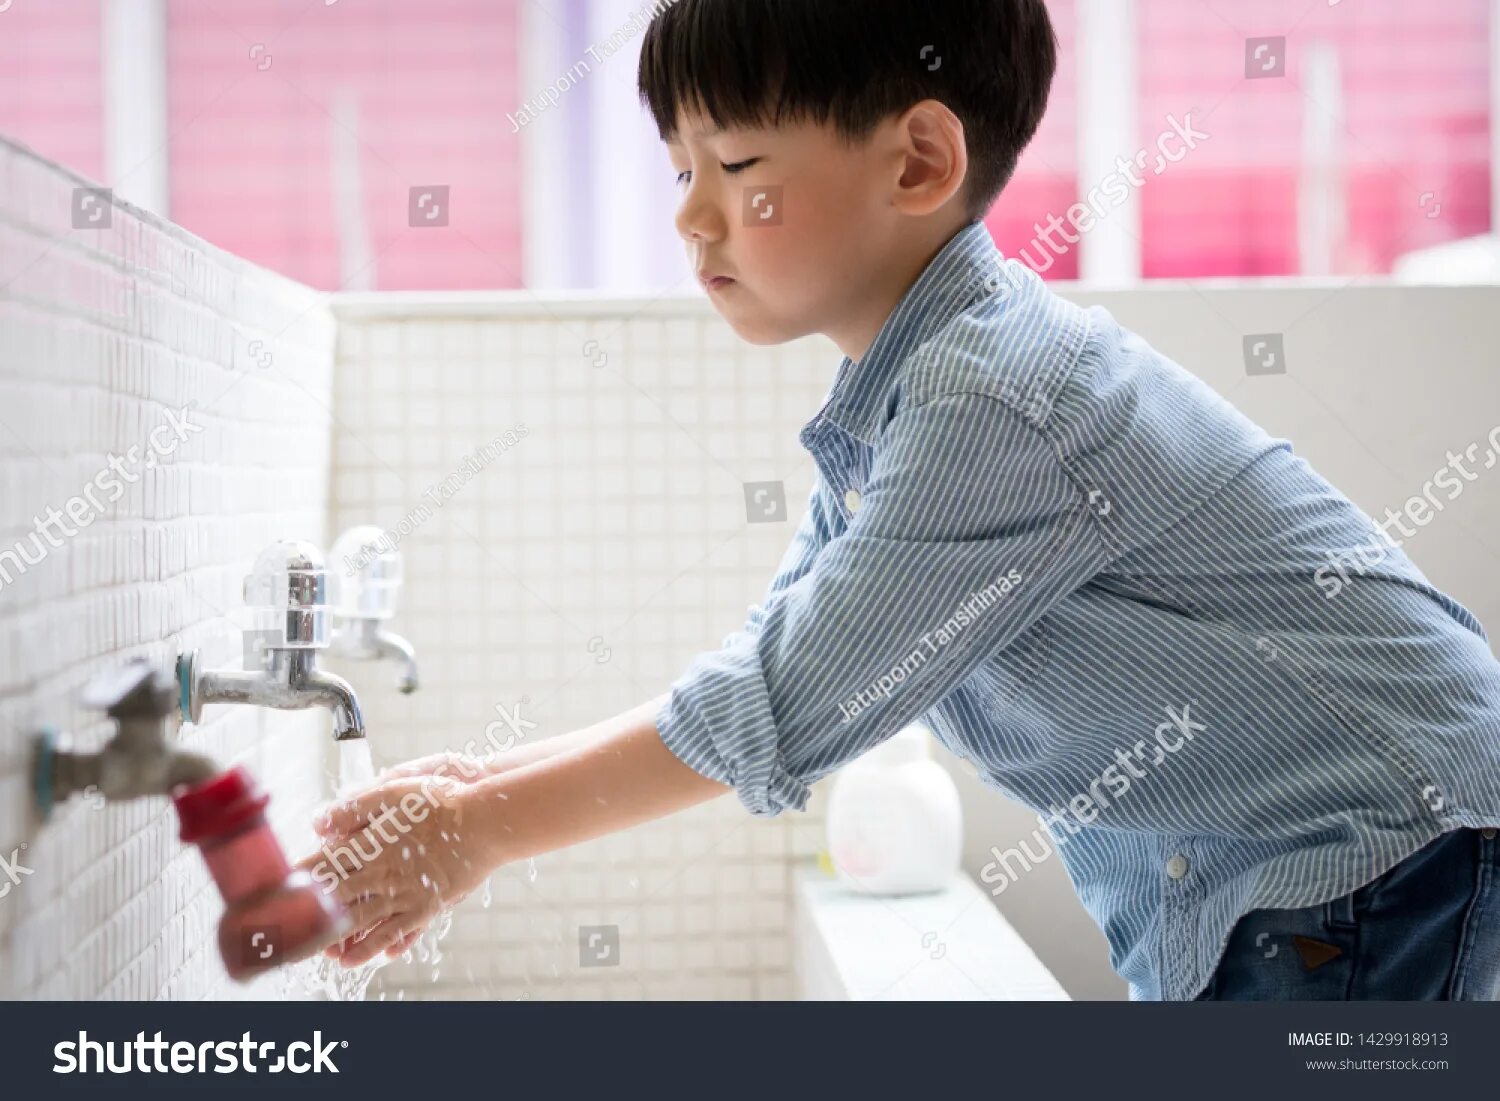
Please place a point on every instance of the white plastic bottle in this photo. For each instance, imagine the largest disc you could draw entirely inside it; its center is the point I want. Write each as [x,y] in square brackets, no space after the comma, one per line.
[894,822]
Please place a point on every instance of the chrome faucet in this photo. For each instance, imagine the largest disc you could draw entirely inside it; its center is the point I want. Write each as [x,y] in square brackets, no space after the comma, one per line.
[286,592]
[364,581]
[137,761]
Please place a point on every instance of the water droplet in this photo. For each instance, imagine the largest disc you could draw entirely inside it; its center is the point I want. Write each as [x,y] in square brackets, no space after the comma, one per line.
[487,897]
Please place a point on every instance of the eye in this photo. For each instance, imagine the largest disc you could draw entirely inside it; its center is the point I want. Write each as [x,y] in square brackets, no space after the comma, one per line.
[729,169]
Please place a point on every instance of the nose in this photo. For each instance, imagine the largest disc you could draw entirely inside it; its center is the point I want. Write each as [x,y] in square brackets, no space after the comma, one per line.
[700,219]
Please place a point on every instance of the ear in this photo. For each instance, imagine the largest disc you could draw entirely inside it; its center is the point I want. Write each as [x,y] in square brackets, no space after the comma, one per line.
[933,158]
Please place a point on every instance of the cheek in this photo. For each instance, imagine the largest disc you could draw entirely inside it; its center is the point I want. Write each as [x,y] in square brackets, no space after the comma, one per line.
[788,258]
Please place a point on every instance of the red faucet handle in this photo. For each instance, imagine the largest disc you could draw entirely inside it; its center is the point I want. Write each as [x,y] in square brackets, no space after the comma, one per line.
[219,806]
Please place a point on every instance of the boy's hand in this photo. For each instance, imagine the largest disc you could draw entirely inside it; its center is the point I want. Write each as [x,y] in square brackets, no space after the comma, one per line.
[429,852]
[434,839]
[447,764]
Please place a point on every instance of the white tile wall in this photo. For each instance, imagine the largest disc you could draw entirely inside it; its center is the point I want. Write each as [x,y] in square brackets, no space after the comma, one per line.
[578,572]
[102,331]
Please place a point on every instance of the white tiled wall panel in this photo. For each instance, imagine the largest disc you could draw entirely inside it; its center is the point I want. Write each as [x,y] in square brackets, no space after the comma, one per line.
[576,574]
[103,331]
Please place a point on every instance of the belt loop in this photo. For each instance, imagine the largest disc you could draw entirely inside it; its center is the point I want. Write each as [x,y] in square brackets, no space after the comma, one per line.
[1339,912]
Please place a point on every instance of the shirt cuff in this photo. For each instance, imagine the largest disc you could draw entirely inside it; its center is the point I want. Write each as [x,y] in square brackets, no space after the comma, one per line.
[717,720]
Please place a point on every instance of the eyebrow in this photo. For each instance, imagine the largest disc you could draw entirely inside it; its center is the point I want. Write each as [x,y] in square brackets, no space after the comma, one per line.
[676,138]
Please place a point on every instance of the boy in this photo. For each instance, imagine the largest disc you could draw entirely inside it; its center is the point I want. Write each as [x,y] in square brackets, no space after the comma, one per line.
[1032,532]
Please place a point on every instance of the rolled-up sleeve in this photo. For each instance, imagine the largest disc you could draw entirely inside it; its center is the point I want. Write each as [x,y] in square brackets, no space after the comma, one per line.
[970,529]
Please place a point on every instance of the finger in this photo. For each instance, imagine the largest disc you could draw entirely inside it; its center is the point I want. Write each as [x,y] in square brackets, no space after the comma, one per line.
[369,882]
[377,940]
[404,943]
[366,913]
[337,949]
[352,814]
[310,862]
[421,766]
[340,871]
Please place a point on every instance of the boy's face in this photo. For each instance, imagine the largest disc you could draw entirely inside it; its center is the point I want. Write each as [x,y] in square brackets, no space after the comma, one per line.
[797,219]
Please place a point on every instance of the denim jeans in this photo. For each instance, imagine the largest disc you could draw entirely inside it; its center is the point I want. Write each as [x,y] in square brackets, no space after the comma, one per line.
[1428,929]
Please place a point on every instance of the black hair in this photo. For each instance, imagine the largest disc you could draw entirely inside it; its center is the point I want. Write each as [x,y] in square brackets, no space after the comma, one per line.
[858,62]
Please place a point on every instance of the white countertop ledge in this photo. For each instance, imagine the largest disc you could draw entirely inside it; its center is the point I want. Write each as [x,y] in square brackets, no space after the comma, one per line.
[951,945]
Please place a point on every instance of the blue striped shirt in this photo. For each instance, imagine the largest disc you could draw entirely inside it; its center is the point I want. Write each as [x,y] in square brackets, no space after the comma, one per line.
[1094,578]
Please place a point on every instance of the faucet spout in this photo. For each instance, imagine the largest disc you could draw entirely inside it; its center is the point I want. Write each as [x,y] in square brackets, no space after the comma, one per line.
[389,645]
[290,682]
[368,640]
[333,692]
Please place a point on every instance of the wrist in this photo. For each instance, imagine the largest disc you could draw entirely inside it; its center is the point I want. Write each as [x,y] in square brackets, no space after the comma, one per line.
[481,822]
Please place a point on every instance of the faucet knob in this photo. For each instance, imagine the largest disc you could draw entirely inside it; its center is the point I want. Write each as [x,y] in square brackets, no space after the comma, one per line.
[287,594]
[368,576]
[133,690]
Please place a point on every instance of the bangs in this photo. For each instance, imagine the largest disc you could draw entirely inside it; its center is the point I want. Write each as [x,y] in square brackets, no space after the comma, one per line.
[738,64]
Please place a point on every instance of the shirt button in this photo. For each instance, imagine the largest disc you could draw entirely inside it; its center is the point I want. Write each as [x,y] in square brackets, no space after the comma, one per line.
[1177,866]
[851,498]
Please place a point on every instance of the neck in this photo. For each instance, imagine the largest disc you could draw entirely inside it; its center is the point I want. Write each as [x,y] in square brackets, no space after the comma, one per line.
[903,266]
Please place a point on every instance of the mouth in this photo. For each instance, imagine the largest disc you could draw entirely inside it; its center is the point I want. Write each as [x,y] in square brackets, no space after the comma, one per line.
[713,282]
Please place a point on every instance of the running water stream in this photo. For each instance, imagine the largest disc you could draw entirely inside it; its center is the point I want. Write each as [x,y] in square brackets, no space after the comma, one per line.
[328,979]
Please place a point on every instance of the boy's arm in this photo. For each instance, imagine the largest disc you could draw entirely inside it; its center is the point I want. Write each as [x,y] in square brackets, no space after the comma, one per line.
[470,767]
[449,837]
[621,776]
[814,530]
[974,523]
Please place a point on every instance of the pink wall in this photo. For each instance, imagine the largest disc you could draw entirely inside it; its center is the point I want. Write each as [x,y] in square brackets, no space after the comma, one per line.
[1416,101]
[1046,177]
[51,84]
[251,149]
[1416,111]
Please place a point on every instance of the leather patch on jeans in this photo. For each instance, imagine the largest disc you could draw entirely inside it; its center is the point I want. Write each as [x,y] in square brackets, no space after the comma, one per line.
[1315,953]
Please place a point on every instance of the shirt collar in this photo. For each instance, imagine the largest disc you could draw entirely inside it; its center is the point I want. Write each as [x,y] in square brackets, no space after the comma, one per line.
[858,398]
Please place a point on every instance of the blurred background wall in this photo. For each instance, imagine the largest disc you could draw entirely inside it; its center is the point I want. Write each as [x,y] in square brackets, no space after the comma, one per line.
[299,134]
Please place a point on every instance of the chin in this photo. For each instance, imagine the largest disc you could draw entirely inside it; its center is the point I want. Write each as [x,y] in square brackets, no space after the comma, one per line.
[761,330]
